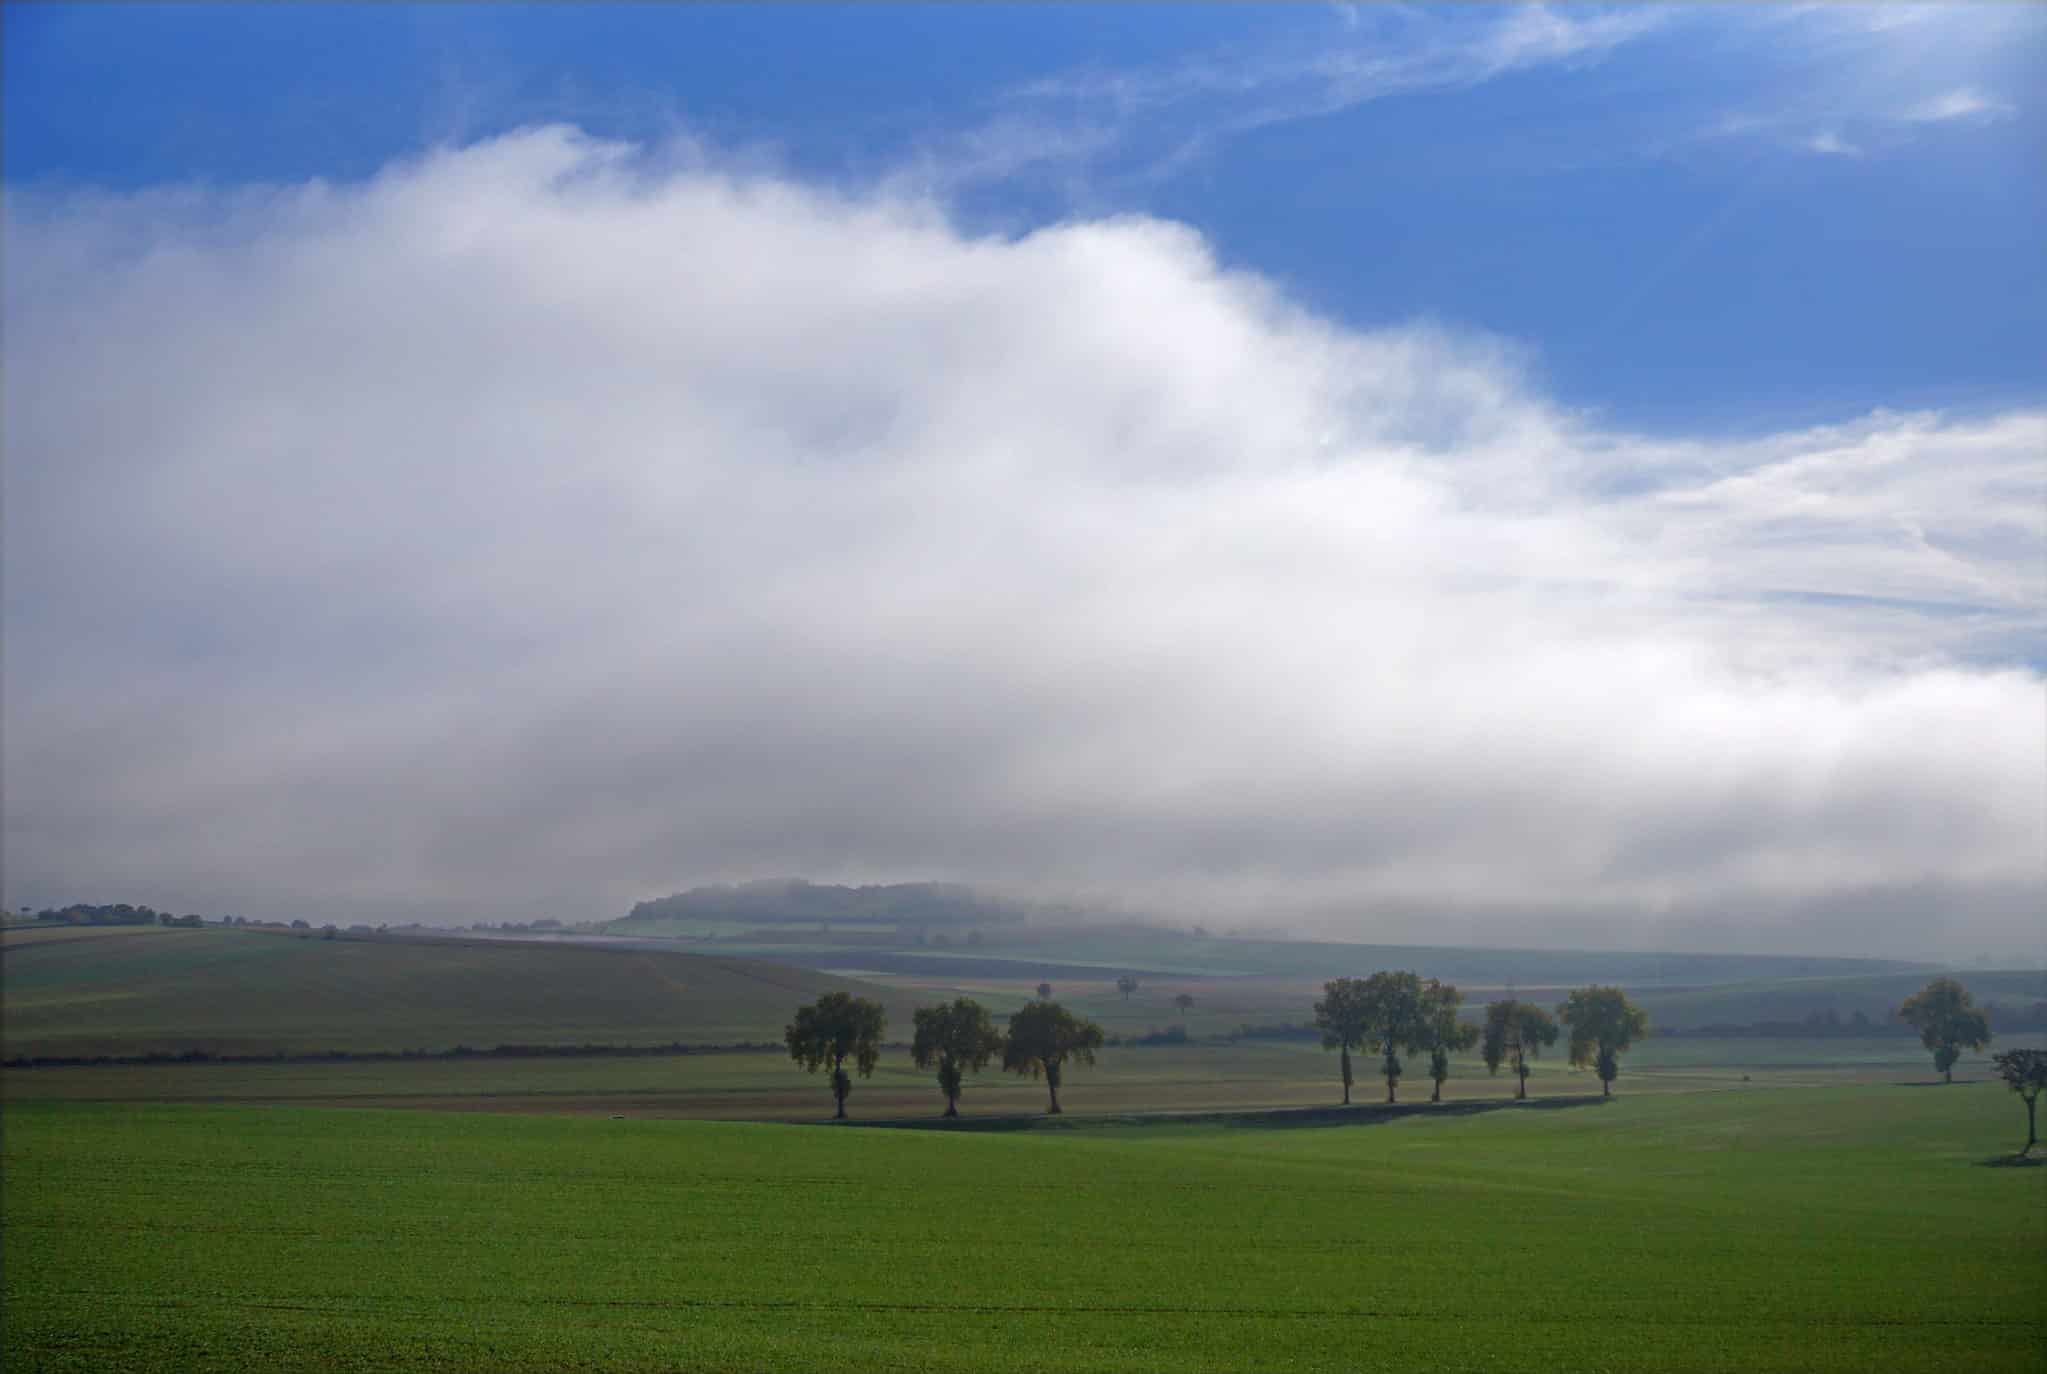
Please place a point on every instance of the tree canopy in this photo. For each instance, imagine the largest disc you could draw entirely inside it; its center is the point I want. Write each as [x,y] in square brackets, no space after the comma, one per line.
[1042,1037]
[2025,1073]
[1341,1014]
[957,1038]
[1444,1032]
[1394,1017]
[1126,985]
[1945,1015]
[1603,1023]
[1516,1032]
[831,1030]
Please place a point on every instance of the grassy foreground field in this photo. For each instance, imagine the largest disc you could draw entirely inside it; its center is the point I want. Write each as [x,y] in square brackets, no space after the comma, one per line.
[1852,1228]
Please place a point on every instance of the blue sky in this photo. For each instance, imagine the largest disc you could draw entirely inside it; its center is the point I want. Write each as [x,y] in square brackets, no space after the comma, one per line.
[1729,220]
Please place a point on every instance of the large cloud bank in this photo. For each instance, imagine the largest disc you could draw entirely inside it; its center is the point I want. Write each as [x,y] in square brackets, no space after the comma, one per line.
[547,524]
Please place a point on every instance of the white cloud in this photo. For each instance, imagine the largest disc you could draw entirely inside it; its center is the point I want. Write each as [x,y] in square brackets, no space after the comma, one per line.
[1830,144]
[1963,102]
[1153,121]
[539,527]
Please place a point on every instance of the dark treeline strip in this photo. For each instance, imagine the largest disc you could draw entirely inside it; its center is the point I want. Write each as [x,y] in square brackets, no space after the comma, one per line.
[381,1056]
[117,914]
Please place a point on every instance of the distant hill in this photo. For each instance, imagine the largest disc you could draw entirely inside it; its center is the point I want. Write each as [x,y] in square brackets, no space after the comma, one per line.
[123,990]
[1056,944]
[792,900]
[2016,996]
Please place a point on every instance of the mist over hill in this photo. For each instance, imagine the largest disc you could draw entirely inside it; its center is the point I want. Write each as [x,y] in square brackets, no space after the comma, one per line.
[777,900]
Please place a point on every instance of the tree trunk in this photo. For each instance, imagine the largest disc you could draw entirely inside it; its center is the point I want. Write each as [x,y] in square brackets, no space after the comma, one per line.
[1390,1081]
[1947,1075]
[1345,1052]
[1521,1078]
[1437,1095]
[1052,1086]
[952,1106]
[1606,1087]
[2032,1138]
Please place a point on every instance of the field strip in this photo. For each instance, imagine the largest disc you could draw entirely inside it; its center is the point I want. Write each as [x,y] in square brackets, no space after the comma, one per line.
[751,1304]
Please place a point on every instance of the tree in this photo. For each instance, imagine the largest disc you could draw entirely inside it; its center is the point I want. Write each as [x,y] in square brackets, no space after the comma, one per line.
[1445,1032]
[1044,992]
[1516,1031]
[1042,1037]
[1603,1023]
[2025,1073]
[1126,985]
[1393,1021]
[957,1038]
[1184,1001]
[831,1030]
[1948,1022]
[1340,1015]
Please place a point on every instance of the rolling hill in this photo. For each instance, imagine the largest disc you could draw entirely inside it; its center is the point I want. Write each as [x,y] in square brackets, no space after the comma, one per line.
[143,990]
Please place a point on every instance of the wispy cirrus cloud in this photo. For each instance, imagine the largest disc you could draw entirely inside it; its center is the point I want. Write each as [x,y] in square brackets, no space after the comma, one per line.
[1852,81]
[1146,123]
[1963,102]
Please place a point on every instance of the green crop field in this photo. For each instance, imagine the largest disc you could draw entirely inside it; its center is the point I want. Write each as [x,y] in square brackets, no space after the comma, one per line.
[765,1085]
[1020,951]
[1846,1228]
[144,989]
[126,990]
[1747,1203]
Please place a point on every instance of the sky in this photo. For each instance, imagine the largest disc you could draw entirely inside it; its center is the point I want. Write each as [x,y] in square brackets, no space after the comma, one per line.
[1540,476]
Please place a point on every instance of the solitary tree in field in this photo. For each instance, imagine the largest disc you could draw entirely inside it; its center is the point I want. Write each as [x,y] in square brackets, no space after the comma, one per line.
[1340,1014]
[1393,1016]
[832,1030]
[1516,1032]
[1126,985]
[1603,1023]
[1946,1018]
[1044,992]
[957,1038]
[2025,1073]
[1184,1001]
[1445,1032]
[1042,1037]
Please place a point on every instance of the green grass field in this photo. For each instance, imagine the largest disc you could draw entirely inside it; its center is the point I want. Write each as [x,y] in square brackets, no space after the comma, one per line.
[124,990]
[1107,949]
[1847,1228]
[141,989]
[765,1085]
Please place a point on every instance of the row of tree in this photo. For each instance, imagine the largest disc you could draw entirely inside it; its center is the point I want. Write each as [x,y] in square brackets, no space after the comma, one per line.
[956,1038]
[1391,1014]
[117,914]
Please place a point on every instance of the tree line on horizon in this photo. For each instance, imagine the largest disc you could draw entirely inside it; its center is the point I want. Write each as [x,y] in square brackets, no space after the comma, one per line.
[955,1038]
[1394,1013]
[1389,1014]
